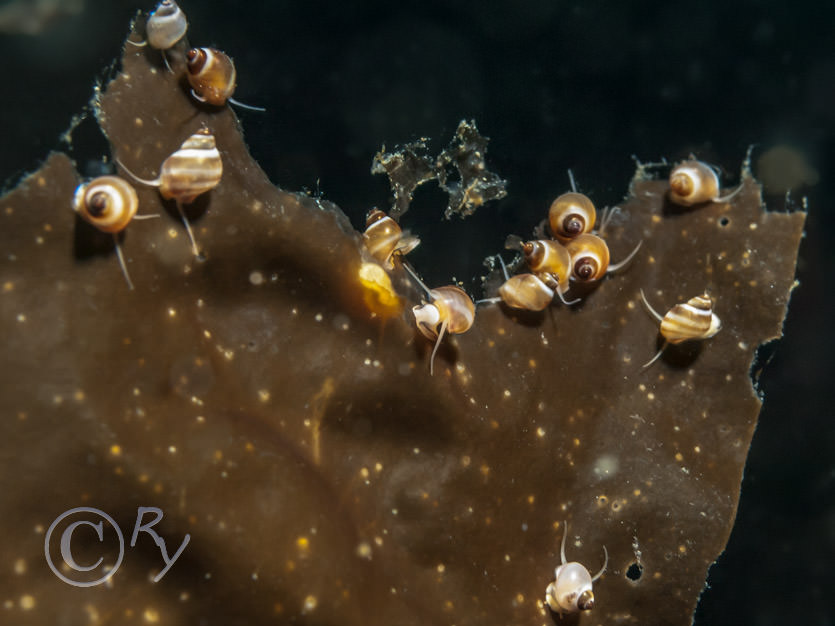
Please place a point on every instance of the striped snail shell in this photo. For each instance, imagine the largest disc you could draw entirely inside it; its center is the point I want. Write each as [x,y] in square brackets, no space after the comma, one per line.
[571,215]
[166,25]
[526,291]
[589,257]
[571,591]
[451,311]
[693,319]
[384,238]
[192,170]
[211,74]
[686,321]
[109,203]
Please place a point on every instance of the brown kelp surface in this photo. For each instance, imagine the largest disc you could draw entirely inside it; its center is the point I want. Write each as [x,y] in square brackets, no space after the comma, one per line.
[323,476]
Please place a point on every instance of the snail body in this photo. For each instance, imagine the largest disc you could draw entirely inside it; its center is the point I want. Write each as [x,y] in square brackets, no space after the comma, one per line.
[192,170]
[213,78]
[694,182]
[384,238]
[450,310]
[109,203]
[570,215]
[691,320]
[571,591]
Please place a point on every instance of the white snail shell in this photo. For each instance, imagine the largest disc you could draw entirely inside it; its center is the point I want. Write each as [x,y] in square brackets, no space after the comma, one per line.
[571,590]
[570,215]
[384,238]
[526,291]
[166,25]
[109,203]
[211,74]
[693,182]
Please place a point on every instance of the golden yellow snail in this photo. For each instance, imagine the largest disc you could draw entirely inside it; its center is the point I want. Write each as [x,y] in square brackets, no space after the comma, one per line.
[694,182]
[693,319]
[571,591]
[384,238]
[551,262]
[590,258]
[109,203]
[450,310]
[212,76]
[192,170]
[571,215]
[522,291]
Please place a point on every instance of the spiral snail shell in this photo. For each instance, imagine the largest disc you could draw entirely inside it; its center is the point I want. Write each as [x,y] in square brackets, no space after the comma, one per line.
[384,238]
[212,76]
[166,25]
[694,182]
[450,310]
[691,320]
[551,262]
[109,203]
[590,258]
[190,171]
[571,591]
[570,215]
[526,291]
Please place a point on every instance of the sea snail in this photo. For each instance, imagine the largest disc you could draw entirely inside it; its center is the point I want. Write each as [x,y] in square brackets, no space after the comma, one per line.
[693,319]
[570,215]
[450,310]
[551,262]
[192,170]
[384,238]
[165,27]
[694,182]
[571,590]
[590,258]
[212,77]
[109,203]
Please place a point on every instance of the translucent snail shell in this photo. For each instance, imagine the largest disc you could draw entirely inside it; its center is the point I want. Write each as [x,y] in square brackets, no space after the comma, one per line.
[451,311]
[589,257]
[384,238]
[109,203]
[571,215]
[694,182]
[211,74]
[571,591]
[526,291]
[166,25]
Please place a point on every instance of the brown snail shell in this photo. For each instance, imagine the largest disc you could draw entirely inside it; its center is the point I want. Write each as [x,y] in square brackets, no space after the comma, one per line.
[526,291]
[570,215]
[549,260]
[589,257]
[384,238]
[450,311]
[691,320]
[211,74]
[109,203]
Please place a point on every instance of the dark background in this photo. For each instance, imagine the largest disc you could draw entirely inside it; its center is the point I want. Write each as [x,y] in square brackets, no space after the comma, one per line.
[554,85]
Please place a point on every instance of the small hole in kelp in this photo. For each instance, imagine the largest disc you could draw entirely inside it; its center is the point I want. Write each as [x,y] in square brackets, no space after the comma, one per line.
[724,221]
[634,572]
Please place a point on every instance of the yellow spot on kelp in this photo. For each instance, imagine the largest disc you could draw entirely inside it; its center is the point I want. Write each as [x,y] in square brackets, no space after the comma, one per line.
[151,616]
[263,395]
[377,291]
[303,545]
[116,450]
[27,602]
[8,286]
[19,567]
